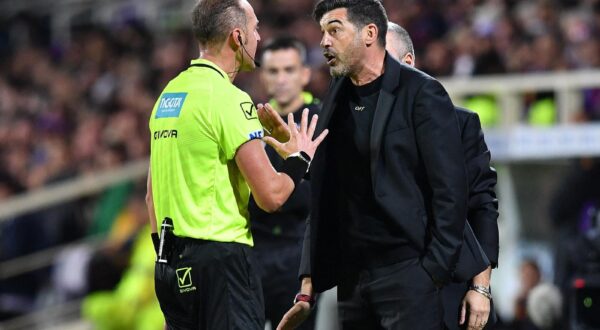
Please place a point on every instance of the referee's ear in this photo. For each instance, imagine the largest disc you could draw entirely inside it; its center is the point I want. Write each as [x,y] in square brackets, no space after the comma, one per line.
[236,39]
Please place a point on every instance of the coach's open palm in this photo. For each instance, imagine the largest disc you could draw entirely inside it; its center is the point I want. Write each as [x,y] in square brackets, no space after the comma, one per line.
[295,316]
[301,138]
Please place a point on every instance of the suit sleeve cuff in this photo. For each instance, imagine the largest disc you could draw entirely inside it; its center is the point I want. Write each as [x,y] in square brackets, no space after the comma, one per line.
[491,251]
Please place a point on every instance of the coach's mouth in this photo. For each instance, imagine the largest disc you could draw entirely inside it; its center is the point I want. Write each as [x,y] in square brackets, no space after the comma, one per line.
[330,58]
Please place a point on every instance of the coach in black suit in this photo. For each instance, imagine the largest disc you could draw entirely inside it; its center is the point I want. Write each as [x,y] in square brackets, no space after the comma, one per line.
[480,249]
[389,186]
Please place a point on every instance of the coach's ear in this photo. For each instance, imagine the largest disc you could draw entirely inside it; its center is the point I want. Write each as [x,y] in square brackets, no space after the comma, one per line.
[369,34]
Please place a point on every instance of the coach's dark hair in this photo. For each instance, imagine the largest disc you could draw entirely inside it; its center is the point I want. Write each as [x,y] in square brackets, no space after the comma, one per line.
[360,13]
[286,42]
[212,20]
[403,35]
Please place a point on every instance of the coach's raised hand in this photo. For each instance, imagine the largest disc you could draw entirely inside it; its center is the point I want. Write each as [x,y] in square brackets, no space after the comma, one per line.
[301,139]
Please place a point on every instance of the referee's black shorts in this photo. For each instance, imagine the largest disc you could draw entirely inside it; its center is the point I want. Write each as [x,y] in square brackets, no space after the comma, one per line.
[210,285]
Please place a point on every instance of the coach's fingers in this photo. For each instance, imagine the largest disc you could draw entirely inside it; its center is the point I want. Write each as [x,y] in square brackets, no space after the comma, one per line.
[273,143]
[304,121]
[312,126]
[463,312]
[320,138]
[474,321]
[291,124]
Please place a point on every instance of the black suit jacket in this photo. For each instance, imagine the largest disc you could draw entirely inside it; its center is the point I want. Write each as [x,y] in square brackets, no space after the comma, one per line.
[480,246]
[482,214]
[418,175]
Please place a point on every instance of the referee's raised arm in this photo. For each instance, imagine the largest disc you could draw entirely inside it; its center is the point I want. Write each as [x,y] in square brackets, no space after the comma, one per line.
[270,188]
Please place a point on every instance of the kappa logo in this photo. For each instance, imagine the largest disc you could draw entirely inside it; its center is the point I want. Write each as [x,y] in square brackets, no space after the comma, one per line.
[249,110]
[184,279]
[170,104]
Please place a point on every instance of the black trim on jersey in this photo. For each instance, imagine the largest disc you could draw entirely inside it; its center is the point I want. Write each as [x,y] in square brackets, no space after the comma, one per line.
[208,66]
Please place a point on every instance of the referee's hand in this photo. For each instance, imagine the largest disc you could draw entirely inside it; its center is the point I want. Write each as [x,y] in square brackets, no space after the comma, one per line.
[272,123]
[301,138]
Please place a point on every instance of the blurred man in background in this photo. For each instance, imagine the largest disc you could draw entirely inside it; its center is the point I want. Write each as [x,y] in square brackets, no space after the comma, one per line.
[530,276]
[278,236]
[482,213]
[132,304]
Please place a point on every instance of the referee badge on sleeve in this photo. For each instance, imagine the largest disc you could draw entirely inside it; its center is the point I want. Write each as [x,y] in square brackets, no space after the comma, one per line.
[255,135]
[249,110]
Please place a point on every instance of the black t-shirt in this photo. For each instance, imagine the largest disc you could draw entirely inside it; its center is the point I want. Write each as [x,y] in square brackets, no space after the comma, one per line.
[367,231]
[289,223]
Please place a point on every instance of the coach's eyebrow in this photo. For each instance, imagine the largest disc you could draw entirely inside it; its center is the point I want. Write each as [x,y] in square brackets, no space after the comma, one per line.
[335,21]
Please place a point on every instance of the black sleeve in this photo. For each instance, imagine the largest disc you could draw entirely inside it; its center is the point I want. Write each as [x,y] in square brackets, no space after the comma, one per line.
[300,197]
[298,201]
[305,269]
[438,141]
[483,204]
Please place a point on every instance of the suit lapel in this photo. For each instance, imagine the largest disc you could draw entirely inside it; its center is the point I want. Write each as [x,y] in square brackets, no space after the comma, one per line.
[320,158]
[385,104]
[329,105]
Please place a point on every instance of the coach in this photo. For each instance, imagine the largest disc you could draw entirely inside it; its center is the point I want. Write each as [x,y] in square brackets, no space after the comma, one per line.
[389,187]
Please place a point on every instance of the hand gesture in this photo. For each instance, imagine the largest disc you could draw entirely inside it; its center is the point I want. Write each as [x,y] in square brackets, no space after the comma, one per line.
[479,310]
[300,140]
[272,123]
[295,316]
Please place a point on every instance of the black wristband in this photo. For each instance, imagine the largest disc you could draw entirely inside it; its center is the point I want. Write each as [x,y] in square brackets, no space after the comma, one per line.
[295,167]
[155,241]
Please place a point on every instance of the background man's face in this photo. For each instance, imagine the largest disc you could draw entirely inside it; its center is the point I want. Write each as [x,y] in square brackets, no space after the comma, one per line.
[283,74]
[341,42]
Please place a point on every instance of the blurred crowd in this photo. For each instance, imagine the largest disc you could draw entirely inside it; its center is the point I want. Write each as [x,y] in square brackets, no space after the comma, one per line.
[465,38]
[80,105]
[76,106]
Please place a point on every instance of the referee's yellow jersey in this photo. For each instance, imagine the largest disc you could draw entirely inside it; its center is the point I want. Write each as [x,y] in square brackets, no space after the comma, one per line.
[196,127]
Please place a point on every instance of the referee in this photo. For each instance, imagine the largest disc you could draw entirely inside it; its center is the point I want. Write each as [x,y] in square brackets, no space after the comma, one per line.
[206,156]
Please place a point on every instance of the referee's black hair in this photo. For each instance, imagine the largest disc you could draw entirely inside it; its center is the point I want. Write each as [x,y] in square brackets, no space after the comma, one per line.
[212,20]
[360,13]
[286,42]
